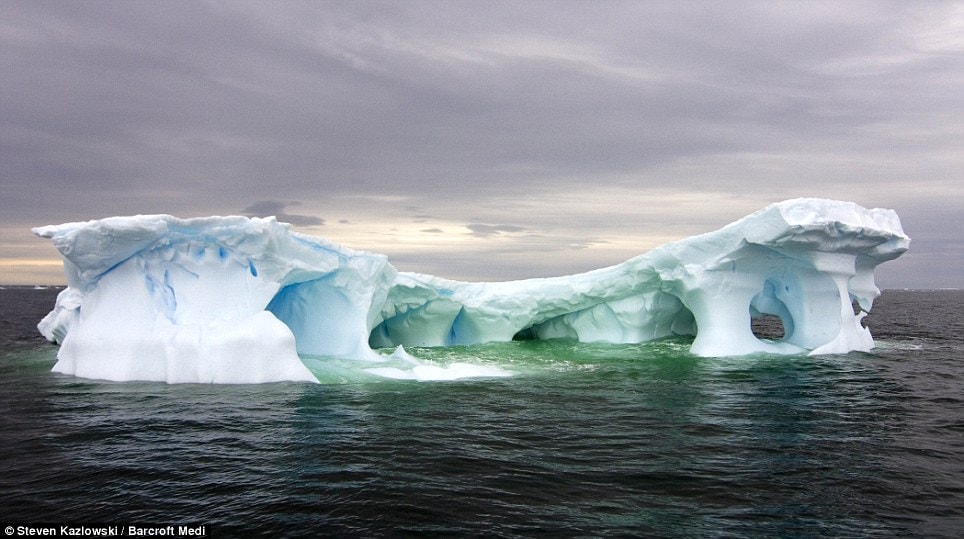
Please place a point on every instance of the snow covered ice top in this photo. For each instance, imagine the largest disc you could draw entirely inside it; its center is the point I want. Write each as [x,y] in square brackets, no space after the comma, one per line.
[236,300]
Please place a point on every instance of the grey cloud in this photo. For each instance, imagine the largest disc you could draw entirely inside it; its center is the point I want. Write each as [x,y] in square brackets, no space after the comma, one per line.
[268,208]
[197,108]
[381,104]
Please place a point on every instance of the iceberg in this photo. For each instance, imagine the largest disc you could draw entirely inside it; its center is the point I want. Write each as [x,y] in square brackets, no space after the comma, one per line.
[242,300]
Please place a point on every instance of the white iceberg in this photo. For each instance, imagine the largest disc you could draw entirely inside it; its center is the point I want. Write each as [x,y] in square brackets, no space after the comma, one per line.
[236,300]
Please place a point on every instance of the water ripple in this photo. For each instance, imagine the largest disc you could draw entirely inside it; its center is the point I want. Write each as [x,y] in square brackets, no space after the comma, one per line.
[586,440]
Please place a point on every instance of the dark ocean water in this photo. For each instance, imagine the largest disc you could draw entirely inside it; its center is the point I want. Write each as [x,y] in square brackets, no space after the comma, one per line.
[585,440]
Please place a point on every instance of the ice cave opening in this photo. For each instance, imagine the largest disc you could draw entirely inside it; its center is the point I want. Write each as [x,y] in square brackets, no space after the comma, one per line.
[768,327]
[770,318]
[633,319]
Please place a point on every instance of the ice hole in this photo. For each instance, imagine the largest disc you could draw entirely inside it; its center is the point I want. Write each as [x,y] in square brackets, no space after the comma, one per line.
[769,316]
[768,326]
[526,334]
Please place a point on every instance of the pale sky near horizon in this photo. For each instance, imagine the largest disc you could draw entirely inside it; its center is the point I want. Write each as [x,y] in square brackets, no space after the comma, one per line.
[483,140]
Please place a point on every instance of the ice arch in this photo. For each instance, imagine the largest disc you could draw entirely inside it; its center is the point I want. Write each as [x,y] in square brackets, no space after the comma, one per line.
[769,302]
[232,299]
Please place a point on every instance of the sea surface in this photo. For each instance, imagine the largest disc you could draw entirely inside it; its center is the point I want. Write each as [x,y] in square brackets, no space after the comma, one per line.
[585,440]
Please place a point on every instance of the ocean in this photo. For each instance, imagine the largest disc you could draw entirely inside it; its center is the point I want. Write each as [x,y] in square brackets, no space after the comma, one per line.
[585,440]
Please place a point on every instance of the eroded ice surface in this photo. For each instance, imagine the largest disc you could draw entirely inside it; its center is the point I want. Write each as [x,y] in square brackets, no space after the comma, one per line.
[236,300]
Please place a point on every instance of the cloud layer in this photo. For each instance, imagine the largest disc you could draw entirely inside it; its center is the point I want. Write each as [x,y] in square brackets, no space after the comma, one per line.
[463,137]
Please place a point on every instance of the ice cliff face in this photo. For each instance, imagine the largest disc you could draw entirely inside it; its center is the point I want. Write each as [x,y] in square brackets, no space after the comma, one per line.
[235,300]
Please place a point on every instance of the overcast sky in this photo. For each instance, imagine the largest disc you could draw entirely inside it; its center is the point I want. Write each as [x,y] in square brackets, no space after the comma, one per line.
[483,140]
